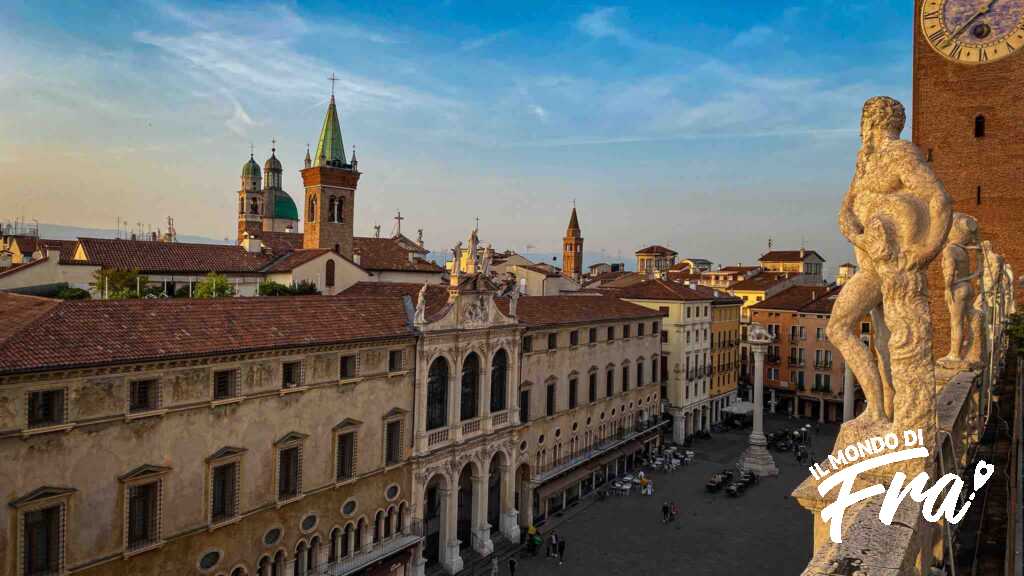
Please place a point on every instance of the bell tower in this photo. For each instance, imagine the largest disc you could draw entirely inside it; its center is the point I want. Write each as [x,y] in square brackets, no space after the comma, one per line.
[330,190]
[250,200]
[572,249]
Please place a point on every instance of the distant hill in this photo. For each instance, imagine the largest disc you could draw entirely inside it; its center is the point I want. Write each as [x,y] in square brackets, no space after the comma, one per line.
[61,232]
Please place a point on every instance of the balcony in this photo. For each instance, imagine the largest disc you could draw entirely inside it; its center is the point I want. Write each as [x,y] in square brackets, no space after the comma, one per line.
[470,427]
[795,361]
[823,365]
[499,419]
[437,437]
[772,358]
[370,554]
[621,436]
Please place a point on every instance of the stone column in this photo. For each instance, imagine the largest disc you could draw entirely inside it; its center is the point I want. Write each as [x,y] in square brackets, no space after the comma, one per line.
[821,409]
[481,529]
[484,393]
[509,514]
[450,557]
[678,427]
[421,412]
[757,458]
[771,401]
[849,398]
[455,403]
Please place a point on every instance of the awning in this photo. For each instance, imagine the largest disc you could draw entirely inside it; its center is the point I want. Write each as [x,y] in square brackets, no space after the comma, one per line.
[611,456]
[740,408]
[559,484]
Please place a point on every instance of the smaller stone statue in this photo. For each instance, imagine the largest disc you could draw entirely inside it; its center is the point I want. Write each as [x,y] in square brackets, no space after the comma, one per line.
[1008,279]
[964,320]
[456,258]
[485,261]
[421,305]
[513,301]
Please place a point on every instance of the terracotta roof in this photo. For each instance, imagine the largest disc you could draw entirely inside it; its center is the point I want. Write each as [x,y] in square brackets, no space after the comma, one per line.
[763,281]
[544,269]
[787,256]
[29,244]
[101,332]
[813,299]
[293,260]
[387,254]
[18,311]
[623,280]
[437,294]
[279,242]
[657,250]
[170,257]
[733,270]
[535,311]
[605,277]
[669,290]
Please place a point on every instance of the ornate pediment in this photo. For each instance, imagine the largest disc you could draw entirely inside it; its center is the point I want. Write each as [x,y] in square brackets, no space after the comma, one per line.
[41,493]
[291,437]
[347,423]
[225,452]
[469,309]
[144,471]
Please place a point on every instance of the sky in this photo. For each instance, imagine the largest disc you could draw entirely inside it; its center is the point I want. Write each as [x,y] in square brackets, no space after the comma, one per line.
[709,127]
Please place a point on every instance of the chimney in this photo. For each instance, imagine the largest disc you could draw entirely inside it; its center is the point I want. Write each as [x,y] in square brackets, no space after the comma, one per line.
[252,244]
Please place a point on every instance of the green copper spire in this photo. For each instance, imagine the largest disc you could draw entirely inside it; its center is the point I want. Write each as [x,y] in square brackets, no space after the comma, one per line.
[330,150]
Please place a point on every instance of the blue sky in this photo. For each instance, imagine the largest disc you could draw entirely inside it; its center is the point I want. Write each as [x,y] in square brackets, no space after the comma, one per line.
[707,126]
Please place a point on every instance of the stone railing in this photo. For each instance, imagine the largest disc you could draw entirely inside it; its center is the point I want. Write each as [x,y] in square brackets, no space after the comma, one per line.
[437,437]
[499,419]
[909,545]
[471,427]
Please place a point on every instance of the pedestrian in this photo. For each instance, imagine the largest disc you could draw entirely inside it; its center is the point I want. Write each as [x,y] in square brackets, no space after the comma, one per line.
[553,545]
[494,566]
[561,551]
[650,488]
[512,565]
[664,512]
[673,512]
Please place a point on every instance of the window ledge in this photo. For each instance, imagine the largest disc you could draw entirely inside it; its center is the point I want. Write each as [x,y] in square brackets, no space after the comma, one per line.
[352,380]
[222,523]
[143,549]
[281,503]
[293,390]
[225,401]
[397,373]
[47,429]
[552,350]
[159,412]
[345,481]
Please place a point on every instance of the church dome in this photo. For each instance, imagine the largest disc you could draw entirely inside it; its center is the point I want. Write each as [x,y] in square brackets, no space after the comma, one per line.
[284,206]
[272,164]
[251,169]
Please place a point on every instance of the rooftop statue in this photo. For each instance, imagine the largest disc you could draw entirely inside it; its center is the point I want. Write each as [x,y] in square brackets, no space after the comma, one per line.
[897,215]
[965,337]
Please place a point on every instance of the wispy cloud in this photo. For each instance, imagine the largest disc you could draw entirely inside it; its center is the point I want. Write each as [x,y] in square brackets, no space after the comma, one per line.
[601,23]
[755,36]
[482,41]
[539,112]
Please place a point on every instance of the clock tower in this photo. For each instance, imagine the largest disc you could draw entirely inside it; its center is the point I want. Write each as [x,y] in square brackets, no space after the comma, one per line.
[968,120]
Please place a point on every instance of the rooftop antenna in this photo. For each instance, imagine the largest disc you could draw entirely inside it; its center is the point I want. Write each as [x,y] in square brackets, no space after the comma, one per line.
[376,230]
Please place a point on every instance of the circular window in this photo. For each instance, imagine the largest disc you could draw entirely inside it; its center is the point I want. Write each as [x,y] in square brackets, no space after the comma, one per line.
[392,492]
[541,439]
[272,536]
[209,560]
[308,523]
[558,432]
[348,508]
[522,446]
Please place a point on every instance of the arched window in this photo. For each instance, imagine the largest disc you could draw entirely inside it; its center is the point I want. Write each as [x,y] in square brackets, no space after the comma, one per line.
[263,568]
[340,207]
[389,523]
[332,210]
[360,528]
[329,273]
[346,541]
[241,205]
[298,569]
[437,394]
[332,551]
[378,526]
[499,380]
[238,571]
[640,372]
[277,569]
[979,126]
[254,205]
[401,518]
[470,405]
[311,217]
[313,555]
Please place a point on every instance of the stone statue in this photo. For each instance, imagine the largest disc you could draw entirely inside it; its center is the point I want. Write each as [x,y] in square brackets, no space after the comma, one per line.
[421,305]
[513,300]
[1008,293]
[993,279]
[897,215]
[485,261]
[964,321]
[456,258]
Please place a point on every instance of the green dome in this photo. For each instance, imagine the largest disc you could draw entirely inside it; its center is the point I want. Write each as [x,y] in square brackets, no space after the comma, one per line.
[251,169]
[284,206]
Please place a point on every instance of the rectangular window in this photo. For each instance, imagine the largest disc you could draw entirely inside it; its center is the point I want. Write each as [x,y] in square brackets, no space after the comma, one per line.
[573,383]
[143,508]
[609,383]
[625,331]
[346,465]
[640,329]
[291,374]
[611,333]
[593,387]
[664,336]
[288,473]
[574,338]
[865,327]
[43,542]
[45,408]
[393,450]
[550,400]
[527,344]
[225,490]
[654,327]
[552,340]
[144,396]
[592,335]
[625,378]
[524,406]
[347,367]
[396,360]
[225,384]
[639,374]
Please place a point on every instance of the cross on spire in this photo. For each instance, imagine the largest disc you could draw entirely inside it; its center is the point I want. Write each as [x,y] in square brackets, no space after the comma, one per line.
[477,223]
[333,79]
[273,146]
[252,150]
[398,223]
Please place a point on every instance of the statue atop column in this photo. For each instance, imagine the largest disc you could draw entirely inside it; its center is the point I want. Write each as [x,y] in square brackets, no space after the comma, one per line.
[421,305]
[965,337]
[897,215]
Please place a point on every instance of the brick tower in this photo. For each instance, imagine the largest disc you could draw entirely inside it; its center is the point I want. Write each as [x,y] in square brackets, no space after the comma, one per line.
[967,114]
[330,182]
[572,249]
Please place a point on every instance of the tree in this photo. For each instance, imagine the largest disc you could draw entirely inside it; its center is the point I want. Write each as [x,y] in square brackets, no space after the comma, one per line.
[213,286]
[119,284]
[305,287]
[271,288]
[66,292]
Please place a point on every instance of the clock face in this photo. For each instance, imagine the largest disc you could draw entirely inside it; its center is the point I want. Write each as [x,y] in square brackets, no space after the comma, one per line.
[974,31]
